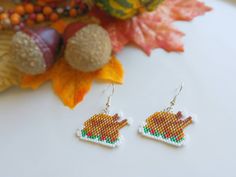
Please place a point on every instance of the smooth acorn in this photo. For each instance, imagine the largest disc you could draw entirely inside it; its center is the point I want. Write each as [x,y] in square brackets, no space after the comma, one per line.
[88,47]
[35,50]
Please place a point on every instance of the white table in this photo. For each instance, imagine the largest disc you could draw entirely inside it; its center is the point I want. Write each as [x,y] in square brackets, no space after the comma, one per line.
[37,133]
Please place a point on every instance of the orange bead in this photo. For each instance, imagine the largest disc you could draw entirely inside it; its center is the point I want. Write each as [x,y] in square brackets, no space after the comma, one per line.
[30,22]
[54,17]
[72,3]
[40,18]
[29,8]
[47,10]
[73,12]
[15,19]
[3,16]
[20,10]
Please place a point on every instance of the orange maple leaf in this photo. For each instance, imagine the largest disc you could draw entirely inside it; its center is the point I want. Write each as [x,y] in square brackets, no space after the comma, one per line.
[72,85]
[152,30]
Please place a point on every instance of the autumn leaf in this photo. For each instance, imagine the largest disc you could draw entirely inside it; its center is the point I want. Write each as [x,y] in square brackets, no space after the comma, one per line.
[60,26]
[72,85]
[187,10]
[69,84]
[34,82]
[155,29]
[112,72]
[5,41]
[9,75]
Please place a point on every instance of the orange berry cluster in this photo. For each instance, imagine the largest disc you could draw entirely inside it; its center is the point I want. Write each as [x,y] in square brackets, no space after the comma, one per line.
[28,14]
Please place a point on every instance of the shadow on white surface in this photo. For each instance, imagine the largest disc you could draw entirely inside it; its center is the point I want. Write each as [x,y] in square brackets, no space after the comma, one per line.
[233,2]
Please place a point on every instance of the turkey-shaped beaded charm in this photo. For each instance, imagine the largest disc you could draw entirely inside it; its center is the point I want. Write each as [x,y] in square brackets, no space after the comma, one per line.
[167,126]
[103,128]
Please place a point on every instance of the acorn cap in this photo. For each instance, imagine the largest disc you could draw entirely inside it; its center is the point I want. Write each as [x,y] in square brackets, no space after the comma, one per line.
[35,50]
[88,47]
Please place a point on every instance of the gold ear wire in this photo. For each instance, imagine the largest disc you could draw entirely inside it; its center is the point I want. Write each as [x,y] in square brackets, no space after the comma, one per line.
[173,101]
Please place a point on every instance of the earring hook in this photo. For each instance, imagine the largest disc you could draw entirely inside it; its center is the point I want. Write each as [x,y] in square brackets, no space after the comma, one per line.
[173,101]
[108,103]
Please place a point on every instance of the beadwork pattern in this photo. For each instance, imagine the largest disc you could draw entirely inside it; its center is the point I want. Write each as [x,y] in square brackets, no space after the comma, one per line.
[103,129]
[167,127]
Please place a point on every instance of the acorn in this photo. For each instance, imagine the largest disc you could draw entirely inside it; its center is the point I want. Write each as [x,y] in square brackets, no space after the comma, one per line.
[88,47]
[35,50]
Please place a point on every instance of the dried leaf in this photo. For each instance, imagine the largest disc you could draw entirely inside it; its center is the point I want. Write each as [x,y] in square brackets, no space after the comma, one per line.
[112,72]
[152,30]
[69,84]
[34,82]
[187,10]
[72,85]
[9,75]
[5,41]
[148,33]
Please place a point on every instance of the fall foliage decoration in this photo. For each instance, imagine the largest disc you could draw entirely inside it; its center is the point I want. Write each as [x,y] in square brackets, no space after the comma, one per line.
[151,30]
[5,41]
[167,127]
[9,75]
[70,84]
[103,129]
[145,24]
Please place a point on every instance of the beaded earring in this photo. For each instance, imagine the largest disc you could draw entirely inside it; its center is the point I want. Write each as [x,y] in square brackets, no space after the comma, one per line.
[103,128]
[167,126]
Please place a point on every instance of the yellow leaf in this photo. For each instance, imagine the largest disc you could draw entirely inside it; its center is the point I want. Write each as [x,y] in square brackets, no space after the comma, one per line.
[112,72]
[72,85]
[5,41]
[34,82]
[69,84]
[9,75]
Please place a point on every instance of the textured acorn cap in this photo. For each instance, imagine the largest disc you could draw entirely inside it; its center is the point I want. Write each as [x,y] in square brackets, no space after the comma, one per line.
[26,55]
[34,51]
[89,49]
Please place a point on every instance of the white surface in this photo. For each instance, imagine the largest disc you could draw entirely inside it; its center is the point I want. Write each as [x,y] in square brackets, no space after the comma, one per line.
[37,133]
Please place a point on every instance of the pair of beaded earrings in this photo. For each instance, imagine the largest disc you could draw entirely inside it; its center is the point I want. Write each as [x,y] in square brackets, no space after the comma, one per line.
[165,126]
